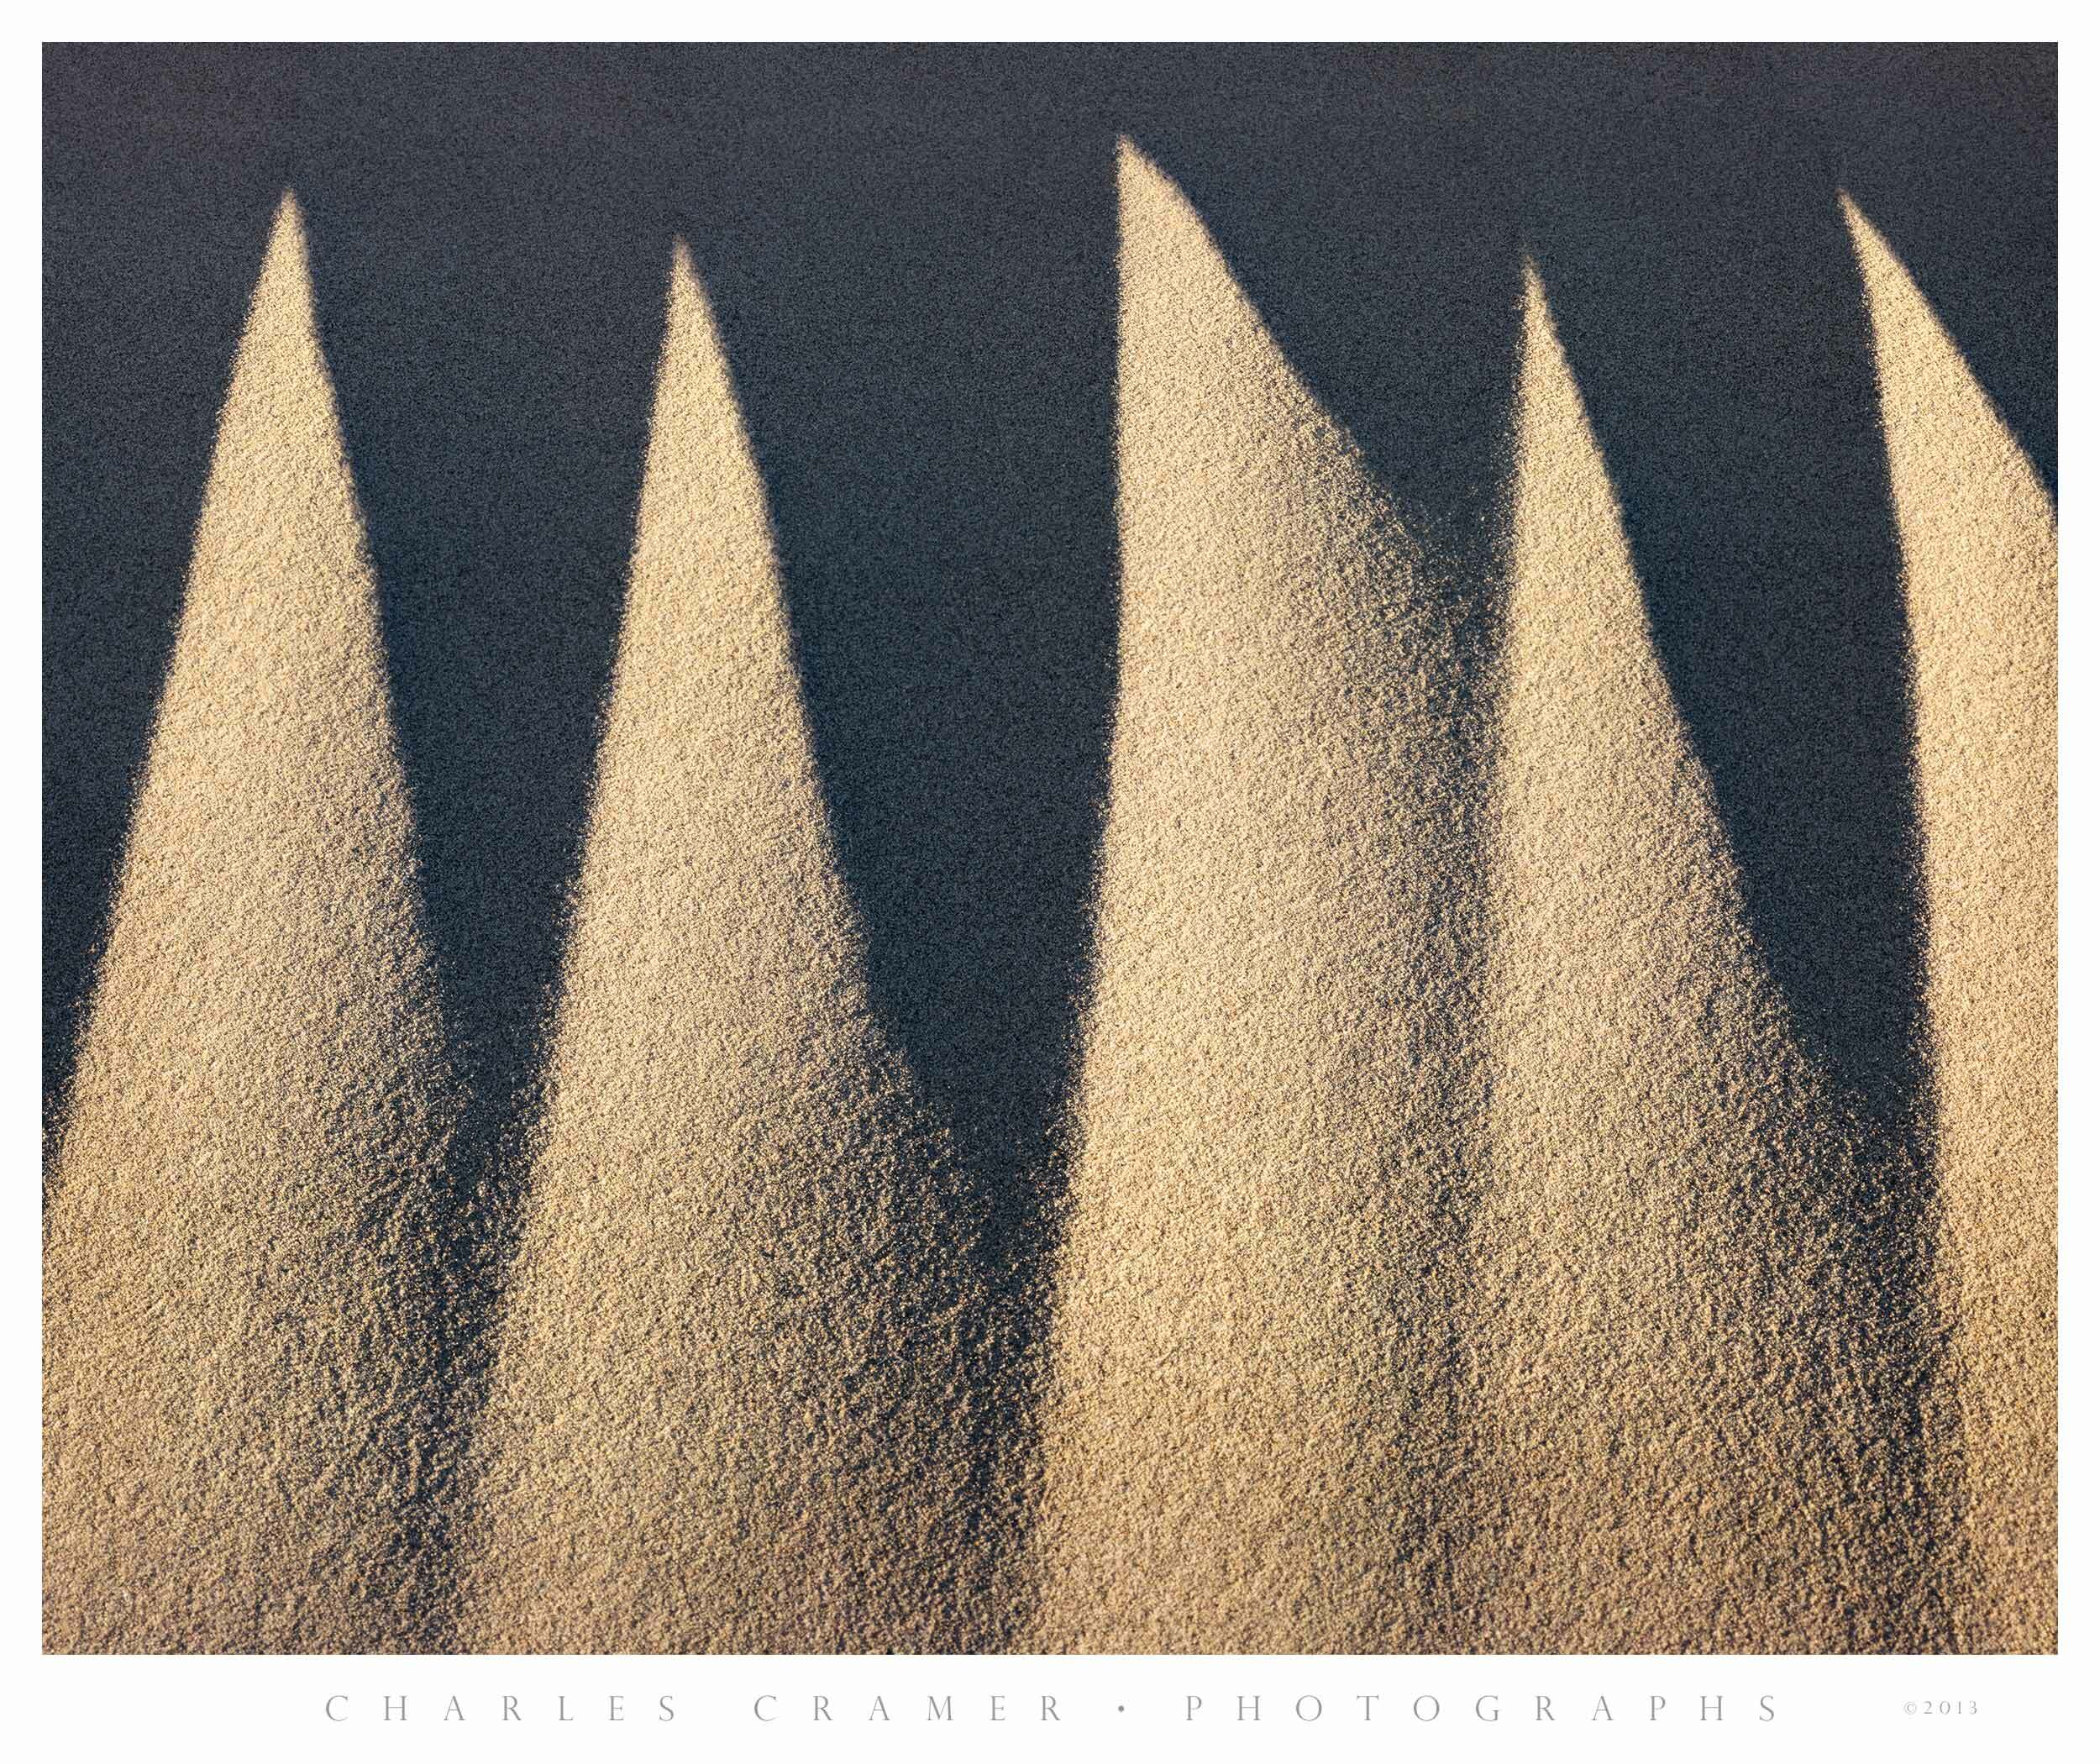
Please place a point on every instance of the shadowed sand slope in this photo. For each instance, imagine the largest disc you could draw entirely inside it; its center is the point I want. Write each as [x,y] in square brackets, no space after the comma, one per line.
[1979,535]
[735,1390]
[1265,863]
[1685,1452]
[154,229]
[237,1244]
[1248,1446]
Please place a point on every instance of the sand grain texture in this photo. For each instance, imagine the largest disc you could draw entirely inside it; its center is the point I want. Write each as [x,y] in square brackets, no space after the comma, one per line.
[239,1261]
[1979,534]
[1674,1413]
[733,1392]
[1247,1446]
[1232,848]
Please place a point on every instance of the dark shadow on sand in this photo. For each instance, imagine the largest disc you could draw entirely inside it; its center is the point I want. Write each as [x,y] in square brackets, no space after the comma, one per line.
[489,280]
[1952,152]
[1687,230]
[912,258]
[161,170]
[1711,308]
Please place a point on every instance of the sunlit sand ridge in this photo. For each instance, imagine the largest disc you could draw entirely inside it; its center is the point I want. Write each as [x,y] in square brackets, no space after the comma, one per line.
[1465,1249]
[1248,1442]
[733,1391]
[239,1261]
[1979,537]
[1672,1466]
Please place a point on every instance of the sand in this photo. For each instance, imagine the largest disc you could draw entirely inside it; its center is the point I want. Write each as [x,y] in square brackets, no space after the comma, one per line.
[735,1385]
[1683,1403]
[1256,1349]
[1129,850]
[239,1258]
[1979,533]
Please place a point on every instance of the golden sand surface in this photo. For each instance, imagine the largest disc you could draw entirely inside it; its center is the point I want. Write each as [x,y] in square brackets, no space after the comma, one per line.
[1256,1360]
[1979,535]
[735,1378]
[1679,1426]
[1451,1212]
[238,1241]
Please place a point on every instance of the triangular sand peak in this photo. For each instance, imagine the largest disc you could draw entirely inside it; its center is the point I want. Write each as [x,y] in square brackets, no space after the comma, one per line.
[1650,1333]
[1253,1385]
[1978,531]
[239,1254]
[733,1406]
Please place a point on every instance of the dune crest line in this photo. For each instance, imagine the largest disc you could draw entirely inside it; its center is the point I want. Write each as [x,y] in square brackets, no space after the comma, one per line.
[1248,1440]
[1979,539]
[734,1399]
[1510,1208]
[240,1245]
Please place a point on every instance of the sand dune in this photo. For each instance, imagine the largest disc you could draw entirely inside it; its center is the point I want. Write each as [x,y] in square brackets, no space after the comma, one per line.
[1256,1356]
[1681,1441]
[239,1268]
[1979,535]
[1464,1223]
[734,1392]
